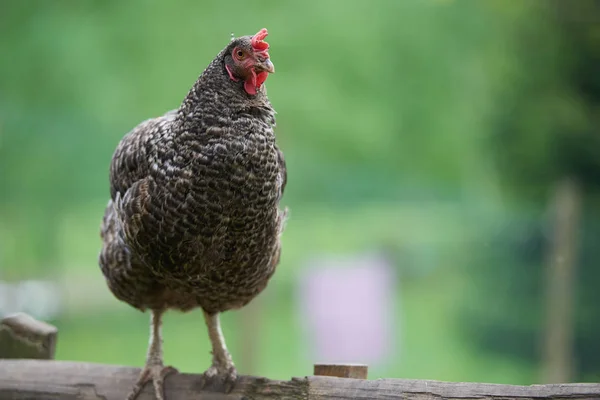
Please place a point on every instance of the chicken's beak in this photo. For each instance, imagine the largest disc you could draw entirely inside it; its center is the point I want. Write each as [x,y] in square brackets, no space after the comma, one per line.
[265,65]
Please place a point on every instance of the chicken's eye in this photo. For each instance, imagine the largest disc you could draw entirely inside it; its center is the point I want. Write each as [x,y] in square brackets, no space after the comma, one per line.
[240,54]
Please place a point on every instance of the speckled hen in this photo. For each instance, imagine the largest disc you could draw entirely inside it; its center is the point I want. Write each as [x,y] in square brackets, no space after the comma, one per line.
[194,217]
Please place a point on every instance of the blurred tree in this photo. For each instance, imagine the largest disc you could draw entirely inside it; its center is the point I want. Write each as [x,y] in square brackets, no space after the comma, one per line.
[385,110]
[546,147]
[359,129]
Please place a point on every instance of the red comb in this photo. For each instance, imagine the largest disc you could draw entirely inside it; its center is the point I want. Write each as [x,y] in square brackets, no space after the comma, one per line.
[258,43]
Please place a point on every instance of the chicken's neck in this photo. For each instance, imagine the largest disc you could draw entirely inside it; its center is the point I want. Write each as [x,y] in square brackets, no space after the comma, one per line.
[215,100]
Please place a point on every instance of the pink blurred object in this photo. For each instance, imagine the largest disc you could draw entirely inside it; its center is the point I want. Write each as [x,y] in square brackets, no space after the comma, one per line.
[346,305]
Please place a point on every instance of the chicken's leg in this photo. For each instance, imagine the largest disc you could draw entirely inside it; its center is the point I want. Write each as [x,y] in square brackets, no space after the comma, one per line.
[222,367]
[154,370]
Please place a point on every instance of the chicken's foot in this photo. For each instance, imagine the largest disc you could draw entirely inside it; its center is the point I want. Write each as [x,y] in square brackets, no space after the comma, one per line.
[222,368]
[154,370]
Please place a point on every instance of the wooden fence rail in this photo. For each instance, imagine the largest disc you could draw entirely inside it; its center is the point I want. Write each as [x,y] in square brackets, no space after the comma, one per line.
[61,380]
[29,379]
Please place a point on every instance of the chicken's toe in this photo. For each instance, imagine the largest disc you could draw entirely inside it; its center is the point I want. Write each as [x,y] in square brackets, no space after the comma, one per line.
[155,373]
[220,375]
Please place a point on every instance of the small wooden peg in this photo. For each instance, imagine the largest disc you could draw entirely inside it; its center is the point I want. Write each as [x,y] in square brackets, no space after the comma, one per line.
[355,371]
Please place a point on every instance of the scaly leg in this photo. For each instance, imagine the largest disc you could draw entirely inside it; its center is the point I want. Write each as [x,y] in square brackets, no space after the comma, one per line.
[222,367]
[154,370]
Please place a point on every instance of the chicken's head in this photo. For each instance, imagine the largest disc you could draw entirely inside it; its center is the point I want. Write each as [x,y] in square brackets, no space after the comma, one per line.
[247,59]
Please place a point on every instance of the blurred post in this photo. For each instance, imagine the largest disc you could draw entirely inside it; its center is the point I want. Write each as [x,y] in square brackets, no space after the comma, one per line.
[22,336]
[557,357]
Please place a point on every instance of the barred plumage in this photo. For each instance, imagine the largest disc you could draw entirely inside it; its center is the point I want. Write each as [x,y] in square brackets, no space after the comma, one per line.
[194,217]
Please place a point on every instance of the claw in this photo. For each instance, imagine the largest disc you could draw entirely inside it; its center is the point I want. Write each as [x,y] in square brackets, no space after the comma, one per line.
[155,373]
[215,376]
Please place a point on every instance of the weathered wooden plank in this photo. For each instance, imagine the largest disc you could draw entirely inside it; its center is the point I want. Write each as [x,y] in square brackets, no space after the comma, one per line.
[22,336]
[61,380]
[321,388]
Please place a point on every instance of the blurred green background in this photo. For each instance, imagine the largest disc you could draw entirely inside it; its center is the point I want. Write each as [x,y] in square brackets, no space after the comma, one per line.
[460,138]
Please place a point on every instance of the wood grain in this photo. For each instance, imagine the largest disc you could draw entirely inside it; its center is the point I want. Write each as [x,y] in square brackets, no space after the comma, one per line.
[342,388]
[356,371]
[62,380]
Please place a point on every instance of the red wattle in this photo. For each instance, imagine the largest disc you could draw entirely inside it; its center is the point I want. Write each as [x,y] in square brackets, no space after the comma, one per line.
[254,81]
[249,87]
[250,84]
[261,78]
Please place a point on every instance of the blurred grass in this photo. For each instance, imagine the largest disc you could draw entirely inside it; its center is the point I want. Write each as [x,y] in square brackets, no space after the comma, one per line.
[383,108]
[428,344]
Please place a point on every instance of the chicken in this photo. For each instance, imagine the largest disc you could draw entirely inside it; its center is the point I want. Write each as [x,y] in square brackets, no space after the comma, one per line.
[193,218]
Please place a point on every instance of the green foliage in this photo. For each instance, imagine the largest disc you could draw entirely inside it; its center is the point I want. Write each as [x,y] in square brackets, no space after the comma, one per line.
[387,95]
[545,129]
[547,124]
[400,121]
